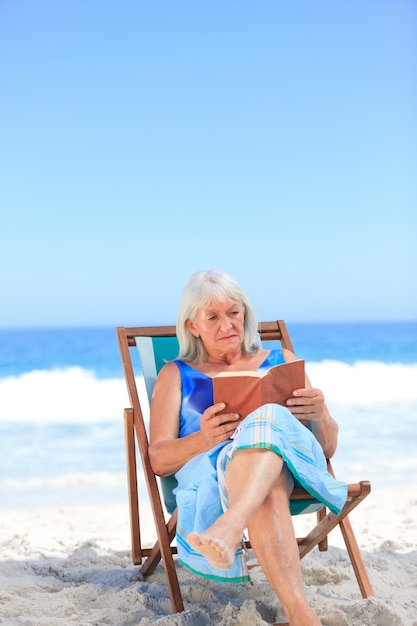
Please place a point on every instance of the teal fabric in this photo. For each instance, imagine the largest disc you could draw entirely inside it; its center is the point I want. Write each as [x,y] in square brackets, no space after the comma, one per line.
[168,486]
[154,353]
[166,349]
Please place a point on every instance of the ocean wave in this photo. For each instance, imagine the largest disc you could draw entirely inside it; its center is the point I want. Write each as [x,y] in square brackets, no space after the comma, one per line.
[62,395]
[364,382]
[76,395]
[72,481]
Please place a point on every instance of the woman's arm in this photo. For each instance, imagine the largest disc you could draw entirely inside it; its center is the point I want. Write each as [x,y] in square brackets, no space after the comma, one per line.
[167,451]
[308,405]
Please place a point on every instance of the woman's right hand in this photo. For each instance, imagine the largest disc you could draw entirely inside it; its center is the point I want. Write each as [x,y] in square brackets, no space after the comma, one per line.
[215,427]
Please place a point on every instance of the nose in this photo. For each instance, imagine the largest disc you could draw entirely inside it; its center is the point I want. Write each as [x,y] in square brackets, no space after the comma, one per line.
[225,324]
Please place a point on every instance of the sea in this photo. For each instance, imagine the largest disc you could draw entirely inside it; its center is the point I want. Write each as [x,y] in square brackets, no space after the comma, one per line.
[62,395]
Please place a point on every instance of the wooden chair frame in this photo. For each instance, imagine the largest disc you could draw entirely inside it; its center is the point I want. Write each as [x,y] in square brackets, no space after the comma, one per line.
[136,438]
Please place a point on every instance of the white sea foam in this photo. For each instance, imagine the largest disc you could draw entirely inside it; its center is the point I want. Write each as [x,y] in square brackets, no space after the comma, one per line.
[77,395]
[364,382]
[62,395]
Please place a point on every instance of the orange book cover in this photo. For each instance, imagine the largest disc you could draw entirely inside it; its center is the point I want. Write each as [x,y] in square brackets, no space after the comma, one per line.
[243,392]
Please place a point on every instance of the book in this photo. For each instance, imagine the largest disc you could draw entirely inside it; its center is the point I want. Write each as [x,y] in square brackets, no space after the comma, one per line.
[245,391]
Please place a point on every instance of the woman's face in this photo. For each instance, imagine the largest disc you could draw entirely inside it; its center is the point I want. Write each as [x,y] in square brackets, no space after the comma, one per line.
[220,325]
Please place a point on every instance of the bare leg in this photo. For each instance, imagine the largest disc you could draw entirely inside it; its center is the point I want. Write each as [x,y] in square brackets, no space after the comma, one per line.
[258,488]
[256,473]
[271,533]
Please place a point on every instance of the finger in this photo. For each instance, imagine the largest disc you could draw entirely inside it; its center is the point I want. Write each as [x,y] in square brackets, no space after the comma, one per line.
[224,418]
[300,392]
[307,392]
[211,411]
[303,400]
[298,410]
[298,402]
[227,428]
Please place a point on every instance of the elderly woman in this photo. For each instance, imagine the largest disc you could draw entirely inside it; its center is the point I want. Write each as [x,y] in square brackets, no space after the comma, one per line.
[237,474]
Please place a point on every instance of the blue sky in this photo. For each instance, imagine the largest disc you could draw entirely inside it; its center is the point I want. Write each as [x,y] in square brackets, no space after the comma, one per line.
[141,141]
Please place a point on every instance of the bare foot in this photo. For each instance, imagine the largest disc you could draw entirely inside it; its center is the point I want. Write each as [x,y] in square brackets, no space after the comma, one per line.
[215,550]
[219,542]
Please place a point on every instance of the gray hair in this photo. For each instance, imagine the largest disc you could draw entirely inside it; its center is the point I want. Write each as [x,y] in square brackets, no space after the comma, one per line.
[202,289]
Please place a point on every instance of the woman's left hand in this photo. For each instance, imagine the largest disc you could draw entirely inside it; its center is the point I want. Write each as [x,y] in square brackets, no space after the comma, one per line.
[307,404]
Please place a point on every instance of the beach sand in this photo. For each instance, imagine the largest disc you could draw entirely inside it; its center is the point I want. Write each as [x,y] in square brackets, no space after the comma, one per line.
[72,565]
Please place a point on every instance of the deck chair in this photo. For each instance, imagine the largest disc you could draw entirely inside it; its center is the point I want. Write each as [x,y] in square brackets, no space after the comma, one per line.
[144,350]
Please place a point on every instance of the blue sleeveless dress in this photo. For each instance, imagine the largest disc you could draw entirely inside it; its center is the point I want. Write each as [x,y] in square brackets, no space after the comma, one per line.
[201,495]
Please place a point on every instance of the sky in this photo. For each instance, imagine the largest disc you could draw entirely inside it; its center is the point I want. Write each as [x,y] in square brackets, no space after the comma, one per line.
[141,141]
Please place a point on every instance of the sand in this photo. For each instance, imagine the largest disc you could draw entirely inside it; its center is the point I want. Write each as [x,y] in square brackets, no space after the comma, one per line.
[72,565]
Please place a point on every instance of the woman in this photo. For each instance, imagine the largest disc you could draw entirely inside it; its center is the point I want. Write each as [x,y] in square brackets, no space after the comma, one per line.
[233,474]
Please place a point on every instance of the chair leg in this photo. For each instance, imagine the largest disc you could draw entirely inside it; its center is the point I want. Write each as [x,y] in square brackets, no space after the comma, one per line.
[154,554]
[356,558]
[165,532]
[132,484]
[323,545]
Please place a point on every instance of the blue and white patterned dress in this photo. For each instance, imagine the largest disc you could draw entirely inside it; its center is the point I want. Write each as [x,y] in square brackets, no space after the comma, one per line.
[200,495]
